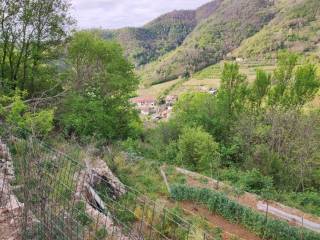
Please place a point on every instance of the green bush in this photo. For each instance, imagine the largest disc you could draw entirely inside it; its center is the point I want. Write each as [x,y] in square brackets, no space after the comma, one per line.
[98,101]
[19,115]
[81,215]
[101,234]
[308,201]
[234,212]
[254,181]
[197,149]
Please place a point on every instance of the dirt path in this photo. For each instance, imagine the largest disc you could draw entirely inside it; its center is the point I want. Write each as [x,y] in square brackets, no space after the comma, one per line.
[252,200]
[214,220]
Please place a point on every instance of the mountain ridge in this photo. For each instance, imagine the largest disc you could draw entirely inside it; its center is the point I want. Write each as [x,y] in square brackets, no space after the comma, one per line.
[182,42]
[231,23]
[161,35]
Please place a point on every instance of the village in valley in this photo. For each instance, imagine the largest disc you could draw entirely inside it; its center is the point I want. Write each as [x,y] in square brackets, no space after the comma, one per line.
[157,109]
[160,120]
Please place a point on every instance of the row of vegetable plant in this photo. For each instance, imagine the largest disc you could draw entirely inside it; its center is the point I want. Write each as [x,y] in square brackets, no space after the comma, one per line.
[219,203]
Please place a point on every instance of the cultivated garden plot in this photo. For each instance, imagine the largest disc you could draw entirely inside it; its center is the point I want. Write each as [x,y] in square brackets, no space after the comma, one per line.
[294,216]
[188,186]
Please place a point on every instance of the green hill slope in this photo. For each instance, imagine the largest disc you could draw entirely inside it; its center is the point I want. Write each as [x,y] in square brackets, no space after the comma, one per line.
[160,36]
[212,39]
[296,27]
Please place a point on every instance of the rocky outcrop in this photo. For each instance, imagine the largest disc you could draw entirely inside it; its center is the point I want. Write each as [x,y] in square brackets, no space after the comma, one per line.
[97,172]
[10,207]
[6,165]
[7,198]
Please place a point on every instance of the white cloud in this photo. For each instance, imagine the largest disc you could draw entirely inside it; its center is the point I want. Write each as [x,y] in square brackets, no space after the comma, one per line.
[121,13]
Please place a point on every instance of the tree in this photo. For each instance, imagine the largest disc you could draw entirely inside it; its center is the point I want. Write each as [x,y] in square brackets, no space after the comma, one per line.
[230,101]
[31,32]
[102,81]
[260,88]
[195,109]
[305,86]
[293,85]
[198,150]
[282,144]
[233,88]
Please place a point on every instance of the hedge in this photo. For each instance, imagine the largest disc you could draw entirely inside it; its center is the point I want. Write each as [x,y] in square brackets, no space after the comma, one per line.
[234,212]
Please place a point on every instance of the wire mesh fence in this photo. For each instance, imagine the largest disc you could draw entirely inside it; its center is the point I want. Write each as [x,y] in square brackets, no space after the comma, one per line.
[52,196]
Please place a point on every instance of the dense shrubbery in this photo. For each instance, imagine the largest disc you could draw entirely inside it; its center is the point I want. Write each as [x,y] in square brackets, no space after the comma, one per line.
[254,181]
[17,113]
[197,150]
[101,85]
[234,212]
[307,201]
[261,129]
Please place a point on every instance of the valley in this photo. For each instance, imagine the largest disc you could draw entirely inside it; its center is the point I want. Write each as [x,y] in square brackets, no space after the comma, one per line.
[197,124]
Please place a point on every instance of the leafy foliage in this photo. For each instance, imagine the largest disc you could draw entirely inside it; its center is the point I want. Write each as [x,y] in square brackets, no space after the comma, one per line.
[195,109]
[234,212]
[102,83]
[18,114]
[160,36]
[197,149]
[293,85]
[31,35]
[254,181]
[211,40]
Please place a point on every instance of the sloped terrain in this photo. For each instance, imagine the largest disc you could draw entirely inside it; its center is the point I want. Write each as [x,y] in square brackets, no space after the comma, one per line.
[296,27]
[232,22]
[161,35]
[180,43]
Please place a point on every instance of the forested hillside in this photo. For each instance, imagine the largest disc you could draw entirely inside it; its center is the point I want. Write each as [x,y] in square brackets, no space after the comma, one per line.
[229,152]
[167,32]
[296,27]
[180,43]
[212,39]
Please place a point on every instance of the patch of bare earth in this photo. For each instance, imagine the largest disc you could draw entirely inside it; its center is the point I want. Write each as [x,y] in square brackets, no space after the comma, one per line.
[229,229]
[9,226]
[246,199]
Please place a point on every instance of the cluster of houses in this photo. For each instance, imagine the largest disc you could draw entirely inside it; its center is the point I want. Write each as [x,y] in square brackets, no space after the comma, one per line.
[149,106]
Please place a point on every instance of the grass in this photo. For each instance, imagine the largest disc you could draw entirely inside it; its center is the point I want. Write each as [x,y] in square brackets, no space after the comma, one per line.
[157,89]
[247,68]
[142,175]
[203,80]
[213,71]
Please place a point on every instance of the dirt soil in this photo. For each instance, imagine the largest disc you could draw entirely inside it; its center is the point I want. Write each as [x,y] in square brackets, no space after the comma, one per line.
[229,229]
[8,226]
[247,199]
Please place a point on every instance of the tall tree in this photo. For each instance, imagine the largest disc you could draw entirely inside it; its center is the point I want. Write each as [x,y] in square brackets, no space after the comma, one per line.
[30,33]
[260,88]
[102,81]
[293,84]
[233,87]
[230,100]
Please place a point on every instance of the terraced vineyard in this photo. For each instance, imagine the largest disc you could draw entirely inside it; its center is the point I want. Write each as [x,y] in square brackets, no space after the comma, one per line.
[205,79]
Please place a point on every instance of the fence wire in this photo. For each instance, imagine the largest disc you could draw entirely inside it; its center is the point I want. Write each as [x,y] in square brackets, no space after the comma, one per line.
[52,196]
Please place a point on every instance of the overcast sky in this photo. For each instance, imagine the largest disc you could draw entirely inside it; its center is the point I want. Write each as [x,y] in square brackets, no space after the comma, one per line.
[122,13]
